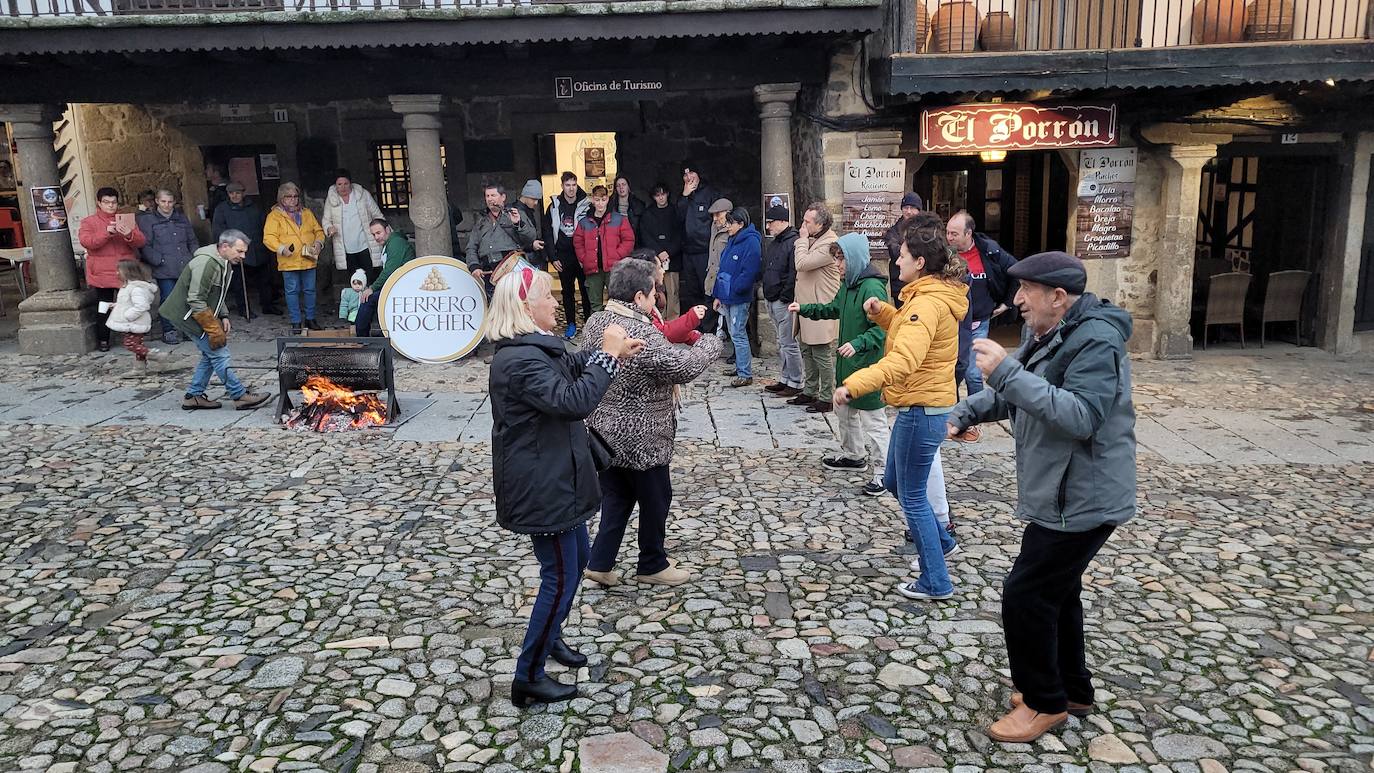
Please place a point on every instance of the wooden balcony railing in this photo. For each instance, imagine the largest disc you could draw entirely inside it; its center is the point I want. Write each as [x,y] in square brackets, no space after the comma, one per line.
[966,26]
[60,8]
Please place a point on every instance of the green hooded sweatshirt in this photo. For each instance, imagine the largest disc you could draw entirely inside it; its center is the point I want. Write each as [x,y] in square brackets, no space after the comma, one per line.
[861,282]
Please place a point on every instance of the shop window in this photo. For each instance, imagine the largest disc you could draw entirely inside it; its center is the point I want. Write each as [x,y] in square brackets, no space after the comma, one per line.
[391,174]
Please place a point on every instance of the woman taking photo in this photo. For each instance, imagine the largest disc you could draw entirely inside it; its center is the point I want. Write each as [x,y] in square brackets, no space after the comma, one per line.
[916,376]
[542,462]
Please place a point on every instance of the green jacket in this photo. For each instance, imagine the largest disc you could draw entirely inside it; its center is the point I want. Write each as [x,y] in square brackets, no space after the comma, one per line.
[202,285]
[398,253]
[855,328]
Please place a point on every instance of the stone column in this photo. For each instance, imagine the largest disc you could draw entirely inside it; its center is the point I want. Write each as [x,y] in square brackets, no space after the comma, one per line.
[428,203]
[775,102]
[60,318]
[879,144]
[1174,293]
[1340,268]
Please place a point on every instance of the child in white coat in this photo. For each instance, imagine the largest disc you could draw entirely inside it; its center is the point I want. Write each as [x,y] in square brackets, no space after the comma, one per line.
[132,313]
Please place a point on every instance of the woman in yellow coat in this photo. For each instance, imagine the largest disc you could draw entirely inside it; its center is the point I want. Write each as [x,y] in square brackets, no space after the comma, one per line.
[293,232]
[916,376]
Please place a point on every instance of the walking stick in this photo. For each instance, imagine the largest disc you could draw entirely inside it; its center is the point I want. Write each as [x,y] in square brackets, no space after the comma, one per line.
[243,283]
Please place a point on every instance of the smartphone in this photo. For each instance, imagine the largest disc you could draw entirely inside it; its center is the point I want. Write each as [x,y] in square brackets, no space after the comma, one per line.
[126,219]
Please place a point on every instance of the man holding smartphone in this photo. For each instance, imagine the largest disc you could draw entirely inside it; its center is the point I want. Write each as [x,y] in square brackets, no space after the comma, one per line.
[499,231]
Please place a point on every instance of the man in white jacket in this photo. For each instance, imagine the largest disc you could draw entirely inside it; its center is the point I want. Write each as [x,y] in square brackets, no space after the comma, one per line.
[348,208]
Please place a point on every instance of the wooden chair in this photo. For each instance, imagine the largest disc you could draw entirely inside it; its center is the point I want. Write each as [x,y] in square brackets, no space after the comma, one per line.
[1283,299]
[1226,303]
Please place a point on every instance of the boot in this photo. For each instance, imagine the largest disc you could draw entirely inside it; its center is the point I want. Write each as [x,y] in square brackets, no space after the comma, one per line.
[139,370]
[198,403]
[248,401]
[157,355]
[546,689]
[566,655]
[313,325]
[604,579]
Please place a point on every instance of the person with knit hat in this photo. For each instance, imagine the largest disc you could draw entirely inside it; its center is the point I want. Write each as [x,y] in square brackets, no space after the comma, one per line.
[530,198]
[911,207]
[349,297]
[1067,389]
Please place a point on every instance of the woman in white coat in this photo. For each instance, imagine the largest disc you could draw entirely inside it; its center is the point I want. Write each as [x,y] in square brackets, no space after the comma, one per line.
[348,209]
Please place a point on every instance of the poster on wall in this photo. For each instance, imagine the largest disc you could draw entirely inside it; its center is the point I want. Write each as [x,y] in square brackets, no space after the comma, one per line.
[777,200]
[1106,203]
[49,209]
[244,172]
[268,163]
[594,163]
[873,190]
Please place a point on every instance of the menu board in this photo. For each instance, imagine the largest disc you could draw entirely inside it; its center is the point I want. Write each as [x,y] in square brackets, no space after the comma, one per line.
[873,189]
[1106,203]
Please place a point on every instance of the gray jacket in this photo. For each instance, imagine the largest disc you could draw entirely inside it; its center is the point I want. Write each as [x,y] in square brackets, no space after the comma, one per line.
[171,243]
[491,240]
[1069,400]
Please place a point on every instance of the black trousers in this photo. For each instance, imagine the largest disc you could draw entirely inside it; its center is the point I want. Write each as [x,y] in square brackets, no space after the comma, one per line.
[570,273]
[692,289]
[1042,616]
[363,260]
[107,294]
[621,490]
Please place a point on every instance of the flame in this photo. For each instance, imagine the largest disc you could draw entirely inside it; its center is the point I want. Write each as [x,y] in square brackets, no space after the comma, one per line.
[329,407]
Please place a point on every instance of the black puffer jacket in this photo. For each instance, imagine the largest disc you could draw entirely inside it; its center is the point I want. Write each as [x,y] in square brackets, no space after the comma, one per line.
[545,478]
[780,267]
[696,221]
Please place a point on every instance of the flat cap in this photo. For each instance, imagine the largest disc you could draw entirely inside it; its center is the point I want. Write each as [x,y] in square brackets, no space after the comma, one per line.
[1054,269]
[234,188]
[720,205]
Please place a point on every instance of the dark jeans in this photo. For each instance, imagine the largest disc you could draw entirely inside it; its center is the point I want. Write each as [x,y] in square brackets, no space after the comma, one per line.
[367,314]
[164,291]
[570,273]
[562,557]
[1042,615]
[363,260]
[692,289]
[102,330]
[621,490]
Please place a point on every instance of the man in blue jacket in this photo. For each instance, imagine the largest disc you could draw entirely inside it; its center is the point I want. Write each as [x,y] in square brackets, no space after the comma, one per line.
[168,249]
[1067,390]
[734,288]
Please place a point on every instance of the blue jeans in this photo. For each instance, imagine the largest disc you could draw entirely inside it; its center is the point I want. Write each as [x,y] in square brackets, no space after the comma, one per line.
[367,314]
[562,558]
[213,361]
[737,316]
[164,290]
[916,439]
[299,282]
[973,378]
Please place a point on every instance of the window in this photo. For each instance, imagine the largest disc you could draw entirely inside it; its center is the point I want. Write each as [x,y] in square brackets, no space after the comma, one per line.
[391,170]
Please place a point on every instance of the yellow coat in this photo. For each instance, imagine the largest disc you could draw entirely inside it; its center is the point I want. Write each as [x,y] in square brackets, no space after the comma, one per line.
[281,230]
[922,346]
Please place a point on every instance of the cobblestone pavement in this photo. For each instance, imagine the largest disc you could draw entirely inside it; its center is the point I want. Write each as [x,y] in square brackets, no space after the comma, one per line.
[224,595]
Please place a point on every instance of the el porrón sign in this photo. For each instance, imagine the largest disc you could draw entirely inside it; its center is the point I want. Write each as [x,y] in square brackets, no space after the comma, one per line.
[873,189]
[1106,203]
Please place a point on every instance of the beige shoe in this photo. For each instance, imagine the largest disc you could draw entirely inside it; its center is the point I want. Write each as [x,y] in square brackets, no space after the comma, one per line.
[138,370]
[604,579]
[1024,724]
[249,401]
[670,576]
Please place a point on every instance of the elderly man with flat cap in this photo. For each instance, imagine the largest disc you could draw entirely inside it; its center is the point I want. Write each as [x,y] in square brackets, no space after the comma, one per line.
[1067,390]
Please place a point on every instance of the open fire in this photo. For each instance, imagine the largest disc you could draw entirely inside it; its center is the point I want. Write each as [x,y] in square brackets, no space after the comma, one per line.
[329,407]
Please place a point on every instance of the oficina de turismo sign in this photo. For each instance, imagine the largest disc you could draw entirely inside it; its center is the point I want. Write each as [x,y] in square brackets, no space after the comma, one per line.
[1014,126]
[433,310]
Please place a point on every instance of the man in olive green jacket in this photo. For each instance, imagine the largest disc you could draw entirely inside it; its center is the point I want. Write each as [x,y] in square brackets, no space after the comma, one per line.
[398,251]
[197,307]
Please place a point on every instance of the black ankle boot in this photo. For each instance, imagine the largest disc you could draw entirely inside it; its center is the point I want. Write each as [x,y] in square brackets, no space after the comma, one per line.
[567,655]
[543,690]
[312,324]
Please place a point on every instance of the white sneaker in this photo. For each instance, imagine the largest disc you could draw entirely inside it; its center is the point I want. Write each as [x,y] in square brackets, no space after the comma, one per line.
[910,590]
[954,551]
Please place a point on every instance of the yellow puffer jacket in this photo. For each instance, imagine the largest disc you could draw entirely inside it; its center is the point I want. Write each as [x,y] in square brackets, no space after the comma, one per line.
[922,346]
[281,231]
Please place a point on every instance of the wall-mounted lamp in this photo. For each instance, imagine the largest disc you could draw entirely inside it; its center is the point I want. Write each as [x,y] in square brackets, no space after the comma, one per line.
[992,156]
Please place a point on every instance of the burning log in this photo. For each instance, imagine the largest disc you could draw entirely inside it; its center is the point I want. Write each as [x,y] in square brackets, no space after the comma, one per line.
[329,407]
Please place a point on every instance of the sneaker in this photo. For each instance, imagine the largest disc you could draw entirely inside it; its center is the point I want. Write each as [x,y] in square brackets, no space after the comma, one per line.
[198,403]
[138,370]
[802,399]
[952,552]
[970,435]
[171,338]
[570,330]
[841,463]
[730,371]
[741,382]
[820,406]
[296,330]
[874,489]
[157,355]
[670,576]
[248,401]
[910,590]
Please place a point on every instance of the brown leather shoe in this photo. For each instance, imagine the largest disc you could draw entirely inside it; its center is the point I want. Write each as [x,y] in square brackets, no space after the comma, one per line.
[820,406]
[198,403]
[802,399]
[1024,724]
[787,391]
[970,435]
[1076,709]
[248,401]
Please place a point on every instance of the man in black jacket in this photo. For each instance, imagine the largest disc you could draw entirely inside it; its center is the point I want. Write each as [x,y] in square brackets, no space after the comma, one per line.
[779,283]
[991,291]
[565,211]
[893,238]
[660,229]
[693,208]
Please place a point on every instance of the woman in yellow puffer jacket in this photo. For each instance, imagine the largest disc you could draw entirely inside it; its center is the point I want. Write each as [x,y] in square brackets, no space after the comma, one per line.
[293,232]
[916,376]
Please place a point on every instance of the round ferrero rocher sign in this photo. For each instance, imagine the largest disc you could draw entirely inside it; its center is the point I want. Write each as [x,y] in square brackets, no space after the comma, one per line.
[433,310]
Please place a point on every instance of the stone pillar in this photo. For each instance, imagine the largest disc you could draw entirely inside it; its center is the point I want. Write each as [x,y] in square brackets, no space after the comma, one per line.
[60,318]
[1174,293]
[775,102]
[1340,267]
[428,203]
